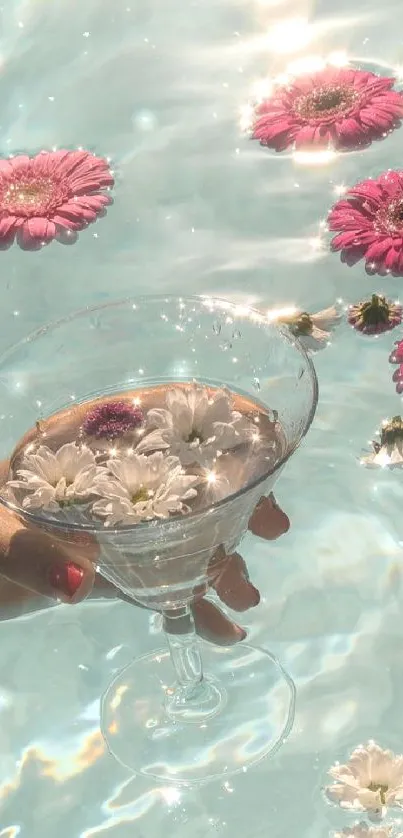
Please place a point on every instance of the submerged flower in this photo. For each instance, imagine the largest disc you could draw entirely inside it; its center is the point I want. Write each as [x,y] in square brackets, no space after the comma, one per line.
[52,481]
[388,452]
[369,220]
[362,830]
[53,193]
[397,377]
[195,426]
[139,488]
[375,315]
[112,420]
[313,330]
[341,108]
[371,780]
[396,356]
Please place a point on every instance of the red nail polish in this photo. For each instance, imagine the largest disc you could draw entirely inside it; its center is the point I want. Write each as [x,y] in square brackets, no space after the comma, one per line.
[66,577]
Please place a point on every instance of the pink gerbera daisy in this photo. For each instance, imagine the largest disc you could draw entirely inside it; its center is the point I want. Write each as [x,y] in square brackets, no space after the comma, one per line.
[369,220]
[342,108]
[51,194]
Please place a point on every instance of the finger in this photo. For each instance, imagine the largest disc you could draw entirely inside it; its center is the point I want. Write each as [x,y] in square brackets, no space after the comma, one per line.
[233,586]
[43,564]
[213,625]
[268,520]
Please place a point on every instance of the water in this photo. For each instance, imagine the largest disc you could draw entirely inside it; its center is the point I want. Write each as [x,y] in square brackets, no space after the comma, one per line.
[159,86]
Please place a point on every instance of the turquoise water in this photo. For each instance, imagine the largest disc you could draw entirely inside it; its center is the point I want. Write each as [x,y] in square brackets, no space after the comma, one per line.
[159,86]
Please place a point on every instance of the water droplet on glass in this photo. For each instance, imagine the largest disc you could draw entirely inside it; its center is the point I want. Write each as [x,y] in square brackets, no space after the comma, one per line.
[256,383]
[226,345]
[216,328]
[236,334]
[301,373]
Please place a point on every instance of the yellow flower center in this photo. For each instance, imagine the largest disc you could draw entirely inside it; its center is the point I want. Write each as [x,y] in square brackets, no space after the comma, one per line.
[141,496]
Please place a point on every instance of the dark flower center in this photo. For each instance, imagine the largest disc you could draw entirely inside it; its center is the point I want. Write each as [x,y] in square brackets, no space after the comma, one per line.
[299,324]
[325,102]
[382,791]
[194,434]
[375,312]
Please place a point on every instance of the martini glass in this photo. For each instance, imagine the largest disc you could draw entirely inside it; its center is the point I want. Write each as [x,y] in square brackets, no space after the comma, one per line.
[192,711]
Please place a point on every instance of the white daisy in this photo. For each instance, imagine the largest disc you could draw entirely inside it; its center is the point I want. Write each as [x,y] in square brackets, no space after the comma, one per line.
[362,830]
[371,780]
[53,480]
[194,426]
[139,488]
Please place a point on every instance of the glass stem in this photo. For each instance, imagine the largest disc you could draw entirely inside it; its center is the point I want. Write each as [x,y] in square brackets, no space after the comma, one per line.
[194,697]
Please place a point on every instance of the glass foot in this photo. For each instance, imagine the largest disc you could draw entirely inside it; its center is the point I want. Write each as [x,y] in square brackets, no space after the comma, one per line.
[251,719]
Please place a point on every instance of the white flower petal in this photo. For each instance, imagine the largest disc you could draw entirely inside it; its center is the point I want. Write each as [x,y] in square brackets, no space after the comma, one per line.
[326,319]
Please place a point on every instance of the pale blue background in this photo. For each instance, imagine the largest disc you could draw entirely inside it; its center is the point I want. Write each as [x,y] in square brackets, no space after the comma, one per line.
[158,86]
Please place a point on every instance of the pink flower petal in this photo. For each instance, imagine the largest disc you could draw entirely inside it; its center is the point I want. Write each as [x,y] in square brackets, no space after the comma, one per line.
[7,231]
[34,232]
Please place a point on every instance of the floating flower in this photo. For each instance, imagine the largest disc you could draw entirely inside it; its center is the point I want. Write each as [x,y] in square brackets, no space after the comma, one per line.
[371,780]
[388,452]
[53,193]
[396,356]
[195,426]
[139,488]
[341,108]
[397,377]
[112,420]
[52,481]
[369,220]
[375,315]
[313,330]
[362,830]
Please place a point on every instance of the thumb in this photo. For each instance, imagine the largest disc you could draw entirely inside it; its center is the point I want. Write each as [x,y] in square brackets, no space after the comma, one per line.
[48,565]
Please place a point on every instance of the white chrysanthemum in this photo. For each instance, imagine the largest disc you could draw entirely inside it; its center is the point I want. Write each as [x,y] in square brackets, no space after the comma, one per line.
[372,780]
[139,488]
[52,481]
[362,830]
[195,427]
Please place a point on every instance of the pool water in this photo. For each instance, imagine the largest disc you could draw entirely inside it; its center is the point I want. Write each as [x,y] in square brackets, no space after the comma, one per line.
[159,86]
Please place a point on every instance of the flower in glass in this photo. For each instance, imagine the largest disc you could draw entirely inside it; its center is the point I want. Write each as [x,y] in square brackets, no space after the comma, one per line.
[388,451]
[369,222]
[112,420]
[139,488]
[53,480]
[195,426]
[362,830]
[375,315]
[313,330]
[396,356]
[371,780]
[51,194]
[342,108]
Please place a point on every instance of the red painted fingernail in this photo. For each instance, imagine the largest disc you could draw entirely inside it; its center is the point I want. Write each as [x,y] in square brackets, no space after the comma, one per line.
[66,577]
